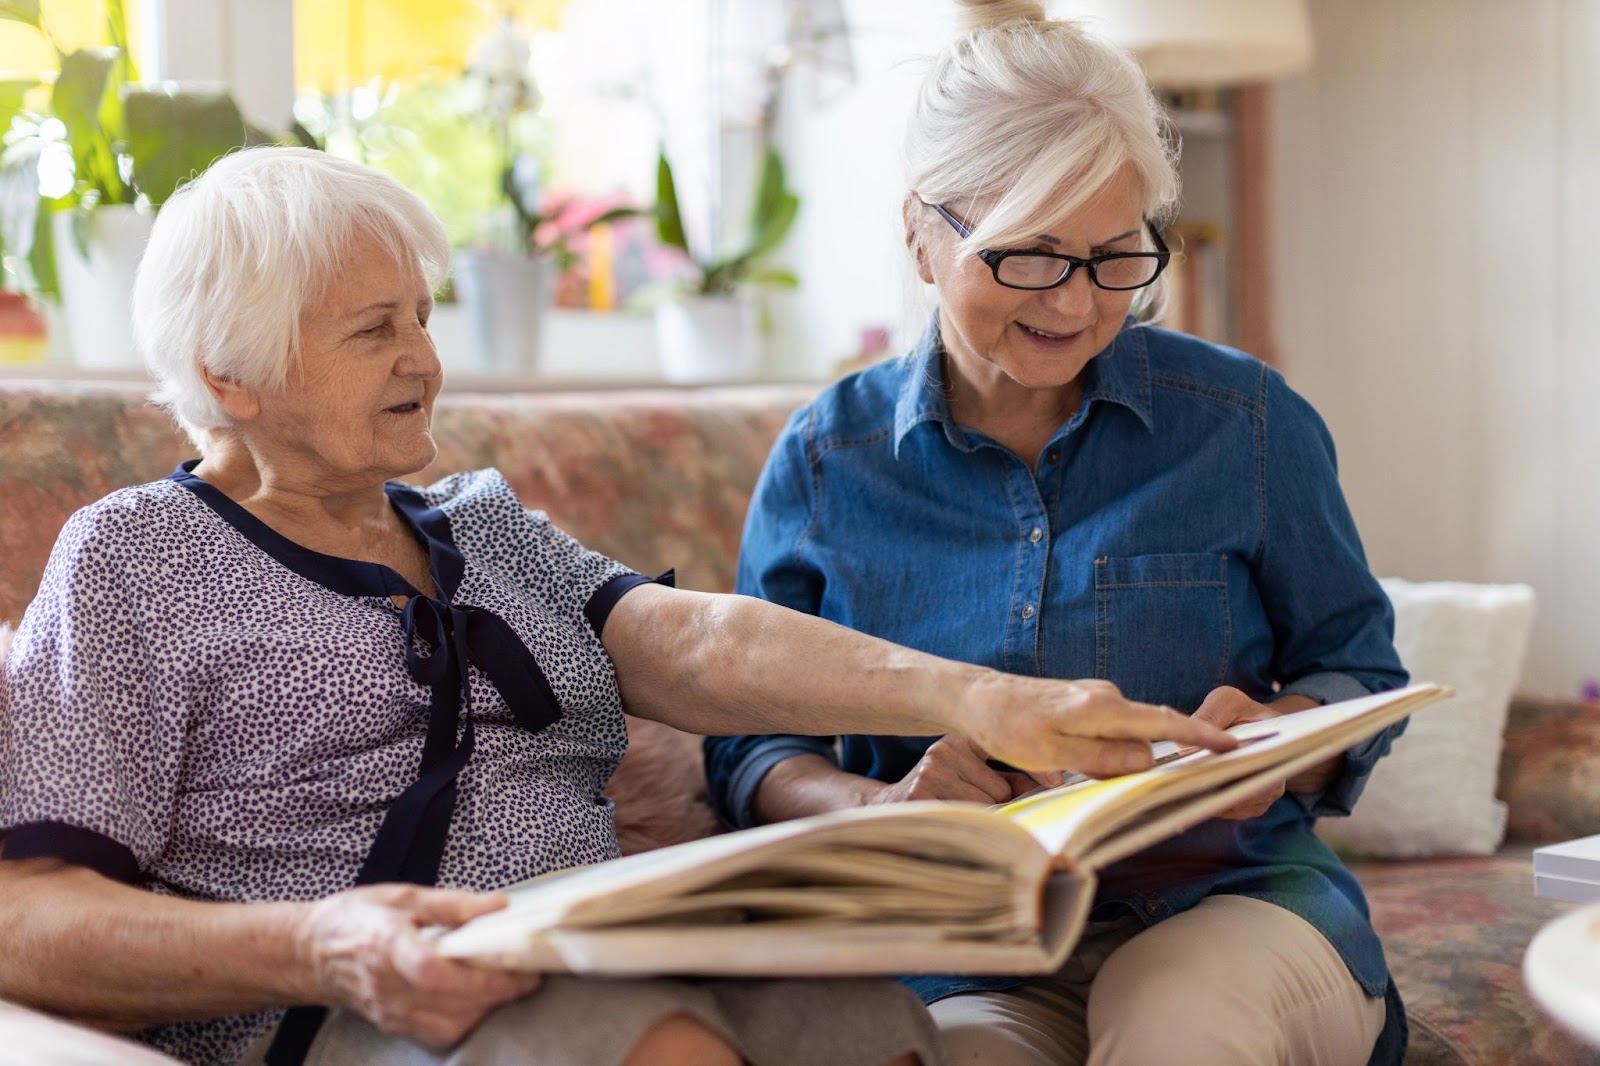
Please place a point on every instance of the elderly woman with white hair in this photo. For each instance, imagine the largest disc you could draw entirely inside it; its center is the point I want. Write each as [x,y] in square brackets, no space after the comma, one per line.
[1055,487]
[262,709]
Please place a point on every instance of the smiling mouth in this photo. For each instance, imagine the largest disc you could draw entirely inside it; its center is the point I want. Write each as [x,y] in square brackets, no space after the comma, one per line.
[1046,334]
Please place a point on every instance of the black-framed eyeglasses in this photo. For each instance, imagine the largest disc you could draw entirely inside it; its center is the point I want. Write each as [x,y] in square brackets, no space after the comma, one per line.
[1029,269]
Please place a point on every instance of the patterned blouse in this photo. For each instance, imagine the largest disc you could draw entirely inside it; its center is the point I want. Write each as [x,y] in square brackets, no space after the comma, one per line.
[204,708]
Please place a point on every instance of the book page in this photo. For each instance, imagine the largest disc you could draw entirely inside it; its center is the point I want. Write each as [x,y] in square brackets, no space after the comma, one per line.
[821,949]
[1071,820]
[947,871]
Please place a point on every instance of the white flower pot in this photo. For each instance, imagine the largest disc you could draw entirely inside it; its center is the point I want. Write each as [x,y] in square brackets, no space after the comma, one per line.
[707,339]
[97,291]
[505,297]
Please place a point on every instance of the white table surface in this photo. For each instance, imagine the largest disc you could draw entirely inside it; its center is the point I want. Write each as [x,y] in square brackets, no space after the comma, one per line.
[1562,971]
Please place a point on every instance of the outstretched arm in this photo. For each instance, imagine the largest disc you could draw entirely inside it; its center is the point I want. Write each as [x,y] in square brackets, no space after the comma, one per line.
[116,957]
[733,664]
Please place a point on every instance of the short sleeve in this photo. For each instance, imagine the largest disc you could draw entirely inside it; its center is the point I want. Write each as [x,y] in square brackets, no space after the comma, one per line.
[595,581]
[91,750]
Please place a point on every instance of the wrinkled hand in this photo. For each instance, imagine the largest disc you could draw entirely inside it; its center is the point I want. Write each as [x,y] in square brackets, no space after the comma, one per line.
[368,955]
[1087,726]
[954,768]
[1227,706]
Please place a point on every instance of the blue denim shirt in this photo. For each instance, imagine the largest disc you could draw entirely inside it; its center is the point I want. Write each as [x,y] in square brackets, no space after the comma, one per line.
[1183,530]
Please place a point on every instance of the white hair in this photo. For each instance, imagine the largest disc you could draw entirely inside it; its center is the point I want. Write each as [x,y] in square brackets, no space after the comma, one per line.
[1019,108]
[239,254]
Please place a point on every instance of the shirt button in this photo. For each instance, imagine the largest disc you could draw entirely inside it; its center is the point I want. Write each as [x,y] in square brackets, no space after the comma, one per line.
[1051,456]
[1036,534]
[1152,907]
[1027,612]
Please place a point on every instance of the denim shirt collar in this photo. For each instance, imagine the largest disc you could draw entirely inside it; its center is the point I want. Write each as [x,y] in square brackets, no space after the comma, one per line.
[1120,375]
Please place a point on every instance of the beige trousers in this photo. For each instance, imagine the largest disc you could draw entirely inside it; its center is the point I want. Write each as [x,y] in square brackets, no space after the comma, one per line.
[1235,981]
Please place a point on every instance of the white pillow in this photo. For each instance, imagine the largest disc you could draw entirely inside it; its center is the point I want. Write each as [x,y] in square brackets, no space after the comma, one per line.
[1433,794]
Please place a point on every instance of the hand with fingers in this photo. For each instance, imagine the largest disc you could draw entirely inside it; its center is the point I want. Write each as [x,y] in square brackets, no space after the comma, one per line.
[1039,724]
[954,768]
[1227,706]
[368,954]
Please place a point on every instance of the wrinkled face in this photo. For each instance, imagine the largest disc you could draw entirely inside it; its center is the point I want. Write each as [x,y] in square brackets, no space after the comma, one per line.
[1039,339]
[358,408]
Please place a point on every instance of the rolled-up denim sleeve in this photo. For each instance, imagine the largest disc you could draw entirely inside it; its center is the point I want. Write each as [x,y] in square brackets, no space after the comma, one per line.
[1333,627]
[1340,795]
[772,566]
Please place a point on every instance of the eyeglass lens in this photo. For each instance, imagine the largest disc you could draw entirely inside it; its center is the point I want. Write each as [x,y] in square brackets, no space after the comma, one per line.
[1038,271]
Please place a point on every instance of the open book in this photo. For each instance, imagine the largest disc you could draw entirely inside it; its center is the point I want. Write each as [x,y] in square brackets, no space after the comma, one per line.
[915,887]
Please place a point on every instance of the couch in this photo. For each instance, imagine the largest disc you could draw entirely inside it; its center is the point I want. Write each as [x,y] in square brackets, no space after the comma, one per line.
[662,478]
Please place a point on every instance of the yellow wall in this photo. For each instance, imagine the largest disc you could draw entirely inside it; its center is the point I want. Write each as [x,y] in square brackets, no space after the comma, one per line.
[24,52]
[340,43]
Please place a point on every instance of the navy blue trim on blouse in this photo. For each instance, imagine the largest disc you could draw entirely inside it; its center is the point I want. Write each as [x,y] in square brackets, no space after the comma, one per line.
[599,607]
[443,640]
[74,844]
[348,577]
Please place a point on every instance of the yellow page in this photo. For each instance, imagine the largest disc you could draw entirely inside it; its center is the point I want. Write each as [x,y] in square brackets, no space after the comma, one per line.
[1060,818]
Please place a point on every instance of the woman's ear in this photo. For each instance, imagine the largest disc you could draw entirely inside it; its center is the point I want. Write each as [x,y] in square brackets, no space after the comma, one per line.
[914,242]
[241,403]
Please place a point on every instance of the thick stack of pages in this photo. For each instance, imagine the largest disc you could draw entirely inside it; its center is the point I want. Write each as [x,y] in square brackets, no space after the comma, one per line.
[918,887]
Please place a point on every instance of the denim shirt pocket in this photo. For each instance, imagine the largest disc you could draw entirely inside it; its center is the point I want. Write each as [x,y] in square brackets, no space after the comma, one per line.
[1163,628]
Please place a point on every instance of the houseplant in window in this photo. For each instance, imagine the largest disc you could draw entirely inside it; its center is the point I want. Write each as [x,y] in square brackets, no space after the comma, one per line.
[82,176]
[502,279]
[708,329]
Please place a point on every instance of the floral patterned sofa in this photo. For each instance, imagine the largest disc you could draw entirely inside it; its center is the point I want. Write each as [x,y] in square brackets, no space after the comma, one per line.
[661,479]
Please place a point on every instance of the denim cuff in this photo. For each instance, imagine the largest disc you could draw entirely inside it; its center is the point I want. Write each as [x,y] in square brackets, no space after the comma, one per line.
[1330,686]
[741,794]
[1338,799]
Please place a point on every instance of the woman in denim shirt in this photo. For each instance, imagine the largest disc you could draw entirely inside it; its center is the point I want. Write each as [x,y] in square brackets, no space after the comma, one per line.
[1047,486]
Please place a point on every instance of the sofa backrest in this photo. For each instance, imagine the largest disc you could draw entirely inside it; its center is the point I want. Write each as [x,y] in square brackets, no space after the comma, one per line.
[656,479]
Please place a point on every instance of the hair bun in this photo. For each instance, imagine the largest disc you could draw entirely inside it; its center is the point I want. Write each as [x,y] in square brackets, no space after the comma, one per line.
[987,14]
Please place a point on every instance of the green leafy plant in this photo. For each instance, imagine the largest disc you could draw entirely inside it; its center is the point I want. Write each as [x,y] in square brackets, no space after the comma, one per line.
[772,215]
[101,139]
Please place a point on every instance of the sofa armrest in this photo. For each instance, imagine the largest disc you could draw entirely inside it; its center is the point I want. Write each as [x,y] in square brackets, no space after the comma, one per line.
[1550,770]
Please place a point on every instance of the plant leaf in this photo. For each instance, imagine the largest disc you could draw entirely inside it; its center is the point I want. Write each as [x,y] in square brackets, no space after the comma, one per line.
[303,137]
[175,133]
[21,11]
[769,189]
[616,214]
[669,223]
[42,257]
[117,37]
[19,203]
[774,227]
[12,100]
[775,207]
[774,277]
[77,100]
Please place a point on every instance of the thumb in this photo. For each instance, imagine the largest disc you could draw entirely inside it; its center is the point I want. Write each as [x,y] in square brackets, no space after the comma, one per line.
[453,907]
[1220,708]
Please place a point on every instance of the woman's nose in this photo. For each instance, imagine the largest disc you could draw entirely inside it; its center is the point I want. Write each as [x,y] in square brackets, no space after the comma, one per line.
[421,358]
[1074,297]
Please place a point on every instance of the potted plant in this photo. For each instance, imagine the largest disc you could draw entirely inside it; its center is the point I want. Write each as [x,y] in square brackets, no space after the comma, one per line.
[81,179]
[709,330]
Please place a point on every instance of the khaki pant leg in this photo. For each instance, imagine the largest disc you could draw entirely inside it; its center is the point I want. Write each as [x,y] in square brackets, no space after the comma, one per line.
[1039,1023]
[1036,1024]
[1235,981]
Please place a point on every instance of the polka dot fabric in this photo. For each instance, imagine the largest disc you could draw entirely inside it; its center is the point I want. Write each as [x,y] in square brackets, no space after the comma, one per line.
[183,696]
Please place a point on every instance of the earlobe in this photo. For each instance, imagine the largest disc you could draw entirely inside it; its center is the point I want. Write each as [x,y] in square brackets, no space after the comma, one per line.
[914,243]
[239,402]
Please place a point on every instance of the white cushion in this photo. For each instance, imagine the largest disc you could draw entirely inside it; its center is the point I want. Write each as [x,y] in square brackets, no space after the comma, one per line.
[1434,793]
